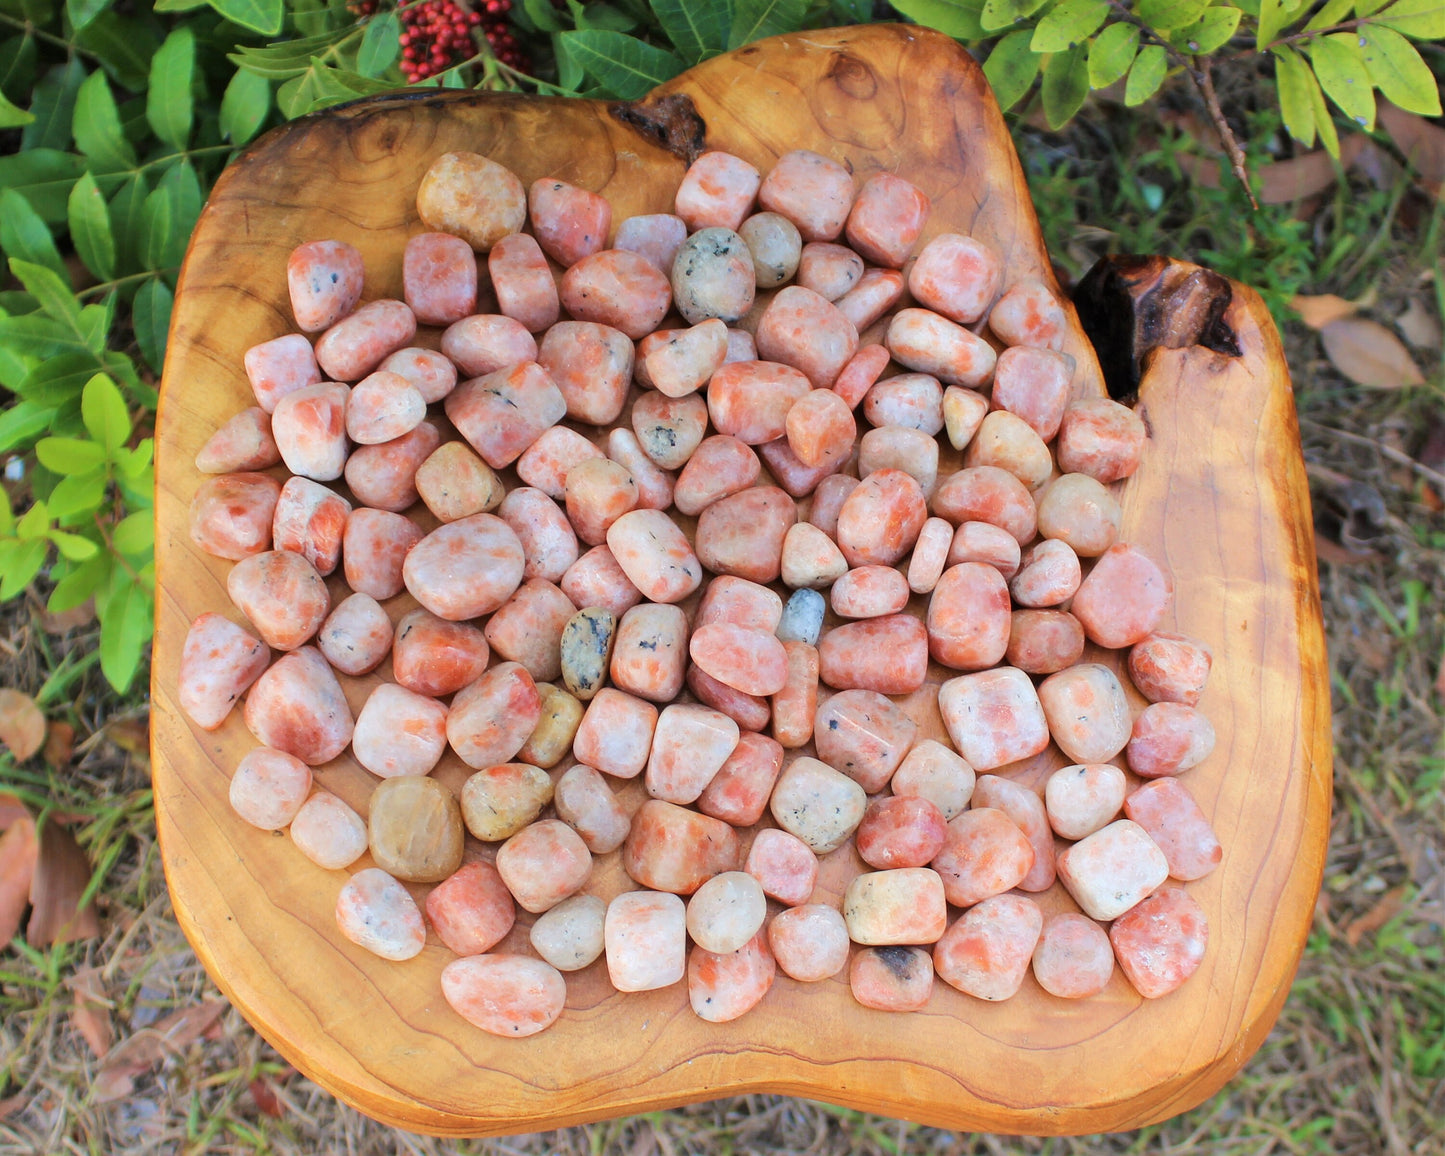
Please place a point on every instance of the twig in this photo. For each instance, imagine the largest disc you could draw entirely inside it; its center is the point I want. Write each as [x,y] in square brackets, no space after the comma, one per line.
[1397,456]
[1316,33]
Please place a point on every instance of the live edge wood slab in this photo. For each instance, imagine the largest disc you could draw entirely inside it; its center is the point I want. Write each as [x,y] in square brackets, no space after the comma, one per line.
[1221,498]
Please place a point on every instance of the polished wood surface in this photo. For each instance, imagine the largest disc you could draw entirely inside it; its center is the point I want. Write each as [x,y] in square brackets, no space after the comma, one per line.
[1221,497]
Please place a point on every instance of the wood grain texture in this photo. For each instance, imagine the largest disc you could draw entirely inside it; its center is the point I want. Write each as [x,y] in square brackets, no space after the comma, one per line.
[1221,497]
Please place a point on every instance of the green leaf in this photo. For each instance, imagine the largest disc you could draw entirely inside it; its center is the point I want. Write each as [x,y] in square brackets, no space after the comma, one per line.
[23,234]
[1071,23]
[104,412]
[57,381]
[1332,13]
[82,12]
[22,421]
[124,45]
[1340,68]
[758,19]
[185,189]
[135,533]
[1166,15]
[1011,68]
[1324,122]
[44,177]
[34,522]
[543,15]
[151,315]
[1000,14]
[600,15]
[284,60]
[1369,7]
[23,564]
[625,66]
[131,462]
[379,46]
[697,30]
[69,456]
[1417,19]
[1293,80]
[1065,85]
[126,621]
[961,19]
[54,107]
[169,106]
[263,16]
[157,216]
[79,584]
[244,106]
[7,515]
[126,210]
[46,287]
[73,547]
[1273,16]
[78,493]
[97,125]
[1111,53]
[12,116]
[90,228]
[1397,70]
[178,5]
[17,66]
[1146,75]
[1209,33]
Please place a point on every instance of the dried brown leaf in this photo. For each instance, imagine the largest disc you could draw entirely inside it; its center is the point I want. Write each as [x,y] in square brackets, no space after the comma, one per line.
[12,1104]
[1303,176]
[62,873]
[1328,550]
[22,724]
[1422,143]
[1420,327]
[18,852]
[1385,909]
[149,1046]
[59,743]
[1317,312]
[91,1014]
[266,1099]
[132,735]
[1369,354]
[68,620]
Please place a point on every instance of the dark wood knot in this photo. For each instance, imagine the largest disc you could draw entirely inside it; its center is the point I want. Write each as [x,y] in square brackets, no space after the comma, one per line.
[1130,305]
[671,121]
[853,77]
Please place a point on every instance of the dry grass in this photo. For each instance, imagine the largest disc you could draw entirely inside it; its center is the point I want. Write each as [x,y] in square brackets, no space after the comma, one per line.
[1355,1066]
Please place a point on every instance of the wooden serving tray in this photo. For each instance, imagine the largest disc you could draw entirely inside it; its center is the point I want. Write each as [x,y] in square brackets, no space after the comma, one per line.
[1221,497]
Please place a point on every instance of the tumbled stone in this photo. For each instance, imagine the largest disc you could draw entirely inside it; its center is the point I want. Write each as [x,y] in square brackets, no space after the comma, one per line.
[749,711]
[805,330]
[499,801]
[739,602]
[864,735]
[324,279]
[895,447]
[785,866]
[653,236]
[1076,509]
[649,656]
[545,463]
[472,197]
[726,911]
[586,649]
[856,378]
[986,953]
[685,359]
[750,400]
[820,428]
[1023,805]
[504,412]
[1007,442]
[818,804]
[430,371]
[994,717]
[1112,869]
[689,746]
[1048,575]
[472,910]
[723,986]
[880,520]
[930,554]
[1044,641]
[439,278]
[892,978]
[522,282]
[570,935]
[375,547]
[598,492]
[591,365]
[810,558]
[356,345]
[829,270]
[988,494]
[743,534]
[717,191]
[968,617]
[328,832]
[720,466]
[984,853]
[488,343]
[297,706]
[595,579]
[1083,799]
[738,793]
[869,592]
[809,943]
[1073,958]
[435,657]
[1101,438]
[310,520]
[899,832]
[376,912]
[1029,314]
[776,247]
[888,655]
[1034,384]
[399,732]
[1161,942]
[933,772]
[465,569]
[586,803]
[384,477]
[956,276]
[414,828]
[528,628]
[1087,712]
[621,289]
[549,544]
[895,907]
[505,995]
[673,849]
[243,443]
[877,291]
[219,660]
[669,429]
[655,555]
[615,735]
[280,367]
[795,705]
[645,934]
[1170,668]
[1171,817]
[812,191]
[1169,738]
[231,515]
[749,660]
[490,719]
[910,400]
[543,864]
[269,787]
[802,619]
[887,218]
[569,223]
[963,413]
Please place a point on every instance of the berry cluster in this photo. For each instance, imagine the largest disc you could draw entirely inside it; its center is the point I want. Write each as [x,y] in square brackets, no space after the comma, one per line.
[435,35]
[499,36]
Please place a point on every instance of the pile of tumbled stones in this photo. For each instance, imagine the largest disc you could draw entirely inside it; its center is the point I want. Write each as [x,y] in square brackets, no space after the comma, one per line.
[549,647]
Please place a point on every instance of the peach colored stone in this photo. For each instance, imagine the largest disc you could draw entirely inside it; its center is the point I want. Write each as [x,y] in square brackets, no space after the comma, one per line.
[776,247]
[591,365]
[543,864]
[930,553]
[488,343]
[1101,438]
[1049,575]
[805,330]
[933,772]
[655,555]
[399,732]
[1123,597]
[869,592]
[743,534]
[522,282]
[899,832]
[895,907]
[1171,817]
[856,378]
[968,617]
[673,849]
[984,854]
[927,343]
[911,400]
[821,429]
[809,943]
[741,346]
[243,443]
[749,660]
[384,477]
[750,400]
[595,579]
[987,952]
[689,746]
[473,197]
[1087,712]
[377,913]
[1034,384]
[1112,869]
[669,429]
[328,832]
[218,662]
[569,223]
[1073,958]
[796,703]
[269,787]
[896,447]
[1081,512]
[749,711]
[551,739]
[1044,641]
[740,602]
[504,412]
[722,987]
[617,288]
[439,278]
[1170,668]
[471,910]
[963,413]
[324,279]
[828,270]
[726,911]
[1009,443]
[784,865]
[738,793]
[549,544]
[356,345]
[986,543]
[616,733]
[497,802]
[491,718]
[897,979]
[654,485]
[828,501]
[1028,314]
[864,735]
[586,803]
[881,519]
[712,277]
[1168,738]
[887,219]
[717,191]
[505,995]
[309,520]
[1084,798]
[1023,805]
[956,276]
[545,463]
[415,828]
[527,628]
[653,236]
[813,192]
[687,358]
[430,372]
[309,426]
[646,940]
[877,291]
[988,494]
[649,655]
[796,479]
[466,568]
[599,491]
[888,655]
[1161,942]
[818,804]
[435,657]
[297,707]
[720,466]
[571,935]
[375,549]
[994,717]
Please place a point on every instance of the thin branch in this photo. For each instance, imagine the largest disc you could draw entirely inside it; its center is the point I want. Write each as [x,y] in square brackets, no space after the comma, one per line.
[1315,33]
[1399,457]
